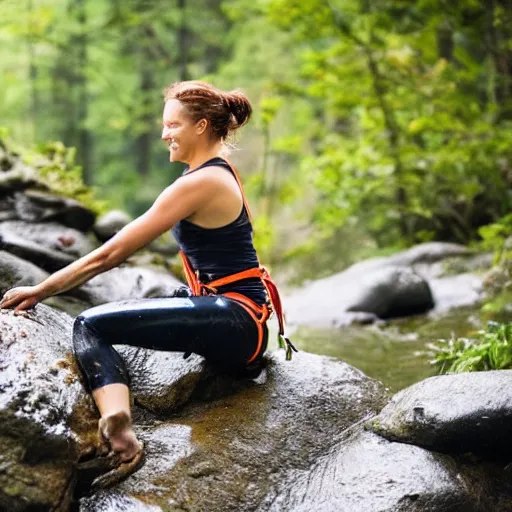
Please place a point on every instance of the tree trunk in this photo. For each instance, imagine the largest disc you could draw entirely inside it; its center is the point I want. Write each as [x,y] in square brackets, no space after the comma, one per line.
[143,142]
[84,135]
[183,41]
[445,44]
[32,73]
[498,38]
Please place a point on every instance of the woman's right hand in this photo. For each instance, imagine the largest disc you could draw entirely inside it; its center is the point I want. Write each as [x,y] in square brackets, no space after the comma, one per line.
[21,297]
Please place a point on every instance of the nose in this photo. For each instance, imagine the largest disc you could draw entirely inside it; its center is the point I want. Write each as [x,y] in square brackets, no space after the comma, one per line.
[166,133]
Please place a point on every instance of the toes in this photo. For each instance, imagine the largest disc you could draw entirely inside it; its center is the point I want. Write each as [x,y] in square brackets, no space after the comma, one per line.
[122,471]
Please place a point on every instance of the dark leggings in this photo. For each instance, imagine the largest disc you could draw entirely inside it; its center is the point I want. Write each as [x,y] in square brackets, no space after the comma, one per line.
[215,327]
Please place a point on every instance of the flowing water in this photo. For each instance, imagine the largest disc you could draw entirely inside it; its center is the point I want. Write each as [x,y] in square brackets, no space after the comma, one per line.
[395,352]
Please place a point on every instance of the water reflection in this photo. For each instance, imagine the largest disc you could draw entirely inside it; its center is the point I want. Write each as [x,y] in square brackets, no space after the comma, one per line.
[394,352]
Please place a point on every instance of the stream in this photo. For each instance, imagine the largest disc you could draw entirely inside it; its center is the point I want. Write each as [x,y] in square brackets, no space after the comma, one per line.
[395,352]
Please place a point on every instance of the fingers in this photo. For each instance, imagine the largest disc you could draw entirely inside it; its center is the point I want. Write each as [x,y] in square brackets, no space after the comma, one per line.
[16,299]
[26,304]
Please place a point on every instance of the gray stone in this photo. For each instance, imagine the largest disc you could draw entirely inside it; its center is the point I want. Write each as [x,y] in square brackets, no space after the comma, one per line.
[462,290]
[110,223]
[226,454]
[125,283]
[392,292]
[408,282]
[15,271]
[467,412]
[429,252]
[50,235]
[48,259]
[367,473]
[38,206]
[40,396]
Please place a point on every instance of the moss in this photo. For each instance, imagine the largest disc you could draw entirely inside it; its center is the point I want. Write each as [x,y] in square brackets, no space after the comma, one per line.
[14,489]
[51,167]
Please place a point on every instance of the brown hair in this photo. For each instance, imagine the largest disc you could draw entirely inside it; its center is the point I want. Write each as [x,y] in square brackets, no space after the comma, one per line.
[225,111]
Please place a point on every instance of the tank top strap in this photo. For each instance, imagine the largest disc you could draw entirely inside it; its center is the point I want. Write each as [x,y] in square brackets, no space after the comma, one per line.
[232,168]
[222,162]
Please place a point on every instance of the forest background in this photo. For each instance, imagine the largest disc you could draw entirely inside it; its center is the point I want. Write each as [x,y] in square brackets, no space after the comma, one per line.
[378,124]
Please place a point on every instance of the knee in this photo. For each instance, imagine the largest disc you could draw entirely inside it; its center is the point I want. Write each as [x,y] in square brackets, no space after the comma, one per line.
[83,334]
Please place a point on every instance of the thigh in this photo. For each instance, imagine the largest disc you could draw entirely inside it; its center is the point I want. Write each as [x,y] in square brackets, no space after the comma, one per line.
[213,326]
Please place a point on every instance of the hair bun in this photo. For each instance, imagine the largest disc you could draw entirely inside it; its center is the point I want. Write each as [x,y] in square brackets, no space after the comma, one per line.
[239,106]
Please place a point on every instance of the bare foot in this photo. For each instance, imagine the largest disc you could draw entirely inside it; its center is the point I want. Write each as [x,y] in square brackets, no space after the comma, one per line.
[117,430]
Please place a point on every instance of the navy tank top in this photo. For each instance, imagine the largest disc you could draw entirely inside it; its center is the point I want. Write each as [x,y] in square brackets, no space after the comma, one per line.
[219,252]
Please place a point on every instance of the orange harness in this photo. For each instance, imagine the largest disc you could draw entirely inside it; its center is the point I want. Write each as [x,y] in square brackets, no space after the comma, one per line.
[260,314]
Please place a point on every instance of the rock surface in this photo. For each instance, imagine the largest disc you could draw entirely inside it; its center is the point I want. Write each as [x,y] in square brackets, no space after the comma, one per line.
[391,292]
[15,271]
[367,473]
[38,206]
[406,283]
[126,283]
[110,223]
[467,412]
[39,393]
[227,454]
[50,235]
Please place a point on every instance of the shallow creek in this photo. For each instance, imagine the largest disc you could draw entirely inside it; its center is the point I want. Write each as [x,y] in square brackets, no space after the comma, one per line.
[394,352]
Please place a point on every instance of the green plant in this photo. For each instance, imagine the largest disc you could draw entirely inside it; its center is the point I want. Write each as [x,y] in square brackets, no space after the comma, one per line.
[490,349]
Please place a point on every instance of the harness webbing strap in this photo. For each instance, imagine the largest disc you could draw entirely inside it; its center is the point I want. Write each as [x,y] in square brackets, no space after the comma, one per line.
[263,312]
[259,313]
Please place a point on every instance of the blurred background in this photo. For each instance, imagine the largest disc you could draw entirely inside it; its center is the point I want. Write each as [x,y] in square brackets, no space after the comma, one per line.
[377,125]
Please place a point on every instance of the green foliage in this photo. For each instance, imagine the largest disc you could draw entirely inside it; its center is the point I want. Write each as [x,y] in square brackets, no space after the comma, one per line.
[392,115]
[490,349]
[264,237]
[53,168]
[494,235]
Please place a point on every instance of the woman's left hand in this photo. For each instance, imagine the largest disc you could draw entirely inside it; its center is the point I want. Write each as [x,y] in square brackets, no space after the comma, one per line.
[22,297]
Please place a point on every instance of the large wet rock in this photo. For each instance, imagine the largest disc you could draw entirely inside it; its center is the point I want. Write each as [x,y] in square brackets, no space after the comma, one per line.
[409,282]
[40,396]
[39,206]
[392,292]
[50,235]
[228,453]
[125,283]
[50,246]
[467,412]
[456,291]
[48,259]
[366,473]
[383,292]
[15,271]
[110,223]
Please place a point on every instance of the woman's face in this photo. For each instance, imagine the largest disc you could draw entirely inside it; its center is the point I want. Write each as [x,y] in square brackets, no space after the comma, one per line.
[180,132]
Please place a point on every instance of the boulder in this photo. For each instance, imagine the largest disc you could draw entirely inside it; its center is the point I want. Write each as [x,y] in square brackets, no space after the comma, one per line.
[462,290]
[392,292]
[382,292]
[48,259]
[15,271]
[110,223]
[38,206]
[228,453]
[368,473]
[49,235]
[406,283]
[16,175]
[40,400]
[125,283]
[466,412]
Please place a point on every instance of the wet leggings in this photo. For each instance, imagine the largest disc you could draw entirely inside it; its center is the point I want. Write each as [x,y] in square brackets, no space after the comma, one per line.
[215,327]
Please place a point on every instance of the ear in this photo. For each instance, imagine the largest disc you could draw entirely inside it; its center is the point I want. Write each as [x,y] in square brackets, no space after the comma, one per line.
[202,125]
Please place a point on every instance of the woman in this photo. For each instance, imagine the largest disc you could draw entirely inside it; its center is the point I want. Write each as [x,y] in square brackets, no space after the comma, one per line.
[225,318]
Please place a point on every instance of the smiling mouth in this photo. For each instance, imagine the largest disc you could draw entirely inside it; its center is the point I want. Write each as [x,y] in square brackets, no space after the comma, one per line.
[173,145]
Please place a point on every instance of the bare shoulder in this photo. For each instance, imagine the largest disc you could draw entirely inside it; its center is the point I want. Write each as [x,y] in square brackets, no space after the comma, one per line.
[211,176]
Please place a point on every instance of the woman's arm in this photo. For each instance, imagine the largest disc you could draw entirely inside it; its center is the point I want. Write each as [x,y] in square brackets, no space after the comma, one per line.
[176,202]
